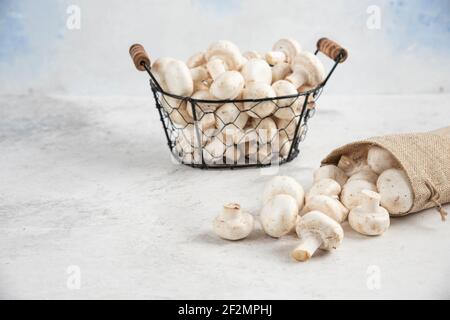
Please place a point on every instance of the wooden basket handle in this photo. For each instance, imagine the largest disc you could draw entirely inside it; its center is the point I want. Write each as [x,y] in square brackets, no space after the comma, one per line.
[332,49]
[139,56]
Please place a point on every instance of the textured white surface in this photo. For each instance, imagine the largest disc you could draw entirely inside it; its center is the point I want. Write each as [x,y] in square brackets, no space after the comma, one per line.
[88,182]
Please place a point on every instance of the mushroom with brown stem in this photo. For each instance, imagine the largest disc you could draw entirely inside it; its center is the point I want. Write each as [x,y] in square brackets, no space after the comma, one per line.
[307,70]
[284,50]
[222,56]
[316,230]
[233,223]
[369,218]
[395,190]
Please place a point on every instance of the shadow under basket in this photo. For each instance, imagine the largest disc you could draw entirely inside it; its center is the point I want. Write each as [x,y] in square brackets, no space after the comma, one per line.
[218,134]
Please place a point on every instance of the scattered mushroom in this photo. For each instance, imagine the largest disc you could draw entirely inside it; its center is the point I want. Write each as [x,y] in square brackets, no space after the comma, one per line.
[284,50]
[257,70]
[284,185]
[326,186]
[259,90]
[332,172]
[316,230]
[228,85]
[395,190]
[380,159]
[279,214]
[369,218]
[307,70]
[331,206]
[233,223]
[351,195]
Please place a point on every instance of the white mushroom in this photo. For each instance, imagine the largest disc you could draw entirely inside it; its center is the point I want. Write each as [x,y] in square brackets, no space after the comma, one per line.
[288,108]
[230,118]
[266,129]
[158,71]
[307,70]
[365,174]
[202,85]
[351,166]
[227,86]
[257,70]
[351,194]
[369,218]
[332,207]
[284,144]
[251,54]
[326,186]
[265,153]
[332,172]
[233,223]
[259,90]
[396,192]
[196,60]
[178,78]
[380,159]
[280,71]
[222,56]
[284,50]
[204,111]
[199,73]
[288,126]
[284,185]
[213,152]
[316,230]
[279,214]
[232,154]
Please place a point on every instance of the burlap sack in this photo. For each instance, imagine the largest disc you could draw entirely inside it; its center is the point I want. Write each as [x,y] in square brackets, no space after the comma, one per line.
[424,156]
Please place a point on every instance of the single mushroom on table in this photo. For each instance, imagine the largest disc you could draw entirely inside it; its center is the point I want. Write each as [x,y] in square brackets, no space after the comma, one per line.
[233,223]
[395,190]
[259,90]
[222,56]
[332,172]
[257,70]
[369,218]
[284,50]
[284,185]
[279,214]
[228,85]
[316,230]
[307,70]
[380,159]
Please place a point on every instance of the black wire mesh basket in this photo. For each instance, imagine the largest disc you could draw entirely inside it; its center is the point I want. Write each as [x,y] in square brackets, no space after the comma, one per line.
[205,133]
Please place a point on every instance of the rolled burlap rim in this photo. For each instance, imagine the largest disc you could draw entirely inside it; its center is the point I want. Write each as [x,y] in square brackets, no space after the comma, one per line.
[425,157]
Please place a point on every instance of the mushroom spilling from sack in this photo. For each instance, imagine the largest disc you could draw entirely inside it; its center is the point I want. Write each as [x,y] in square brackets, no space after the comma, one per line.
[228,94]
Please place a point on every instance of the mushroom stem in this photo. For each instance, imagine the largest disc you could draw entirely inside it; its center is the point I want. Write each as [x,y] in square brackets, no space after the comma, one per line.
[309,244]
[231,210]
[274,57]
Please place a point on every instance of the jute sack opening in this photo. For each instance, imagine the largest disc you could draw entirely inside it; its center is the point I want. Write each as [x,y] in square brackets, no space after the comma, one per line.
[425,157]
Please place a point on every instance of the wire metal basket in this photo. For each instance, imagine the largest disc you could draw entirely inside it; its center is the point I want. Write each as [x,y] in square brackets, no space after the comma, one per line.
[232,133]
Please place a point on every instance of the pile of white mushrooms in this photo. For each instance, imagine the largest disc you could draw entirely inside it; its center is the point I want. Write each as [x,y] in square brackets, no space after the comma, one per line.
[364,187]
[257,130]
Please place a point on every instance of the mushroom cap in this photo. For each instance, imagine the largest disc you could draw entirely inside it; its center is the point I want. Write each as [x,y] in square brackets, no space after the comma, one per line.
[395,190]
[196,60]
[308,62]
[158,70]
[230,119]
[251,54]
[201,107]
[365,174]
[279,214]
[352,196]
[320,224]
[266,129]
[257,70]
[226,51]
[326,186]
[287,126]
[332,207]
[379,159]
[228,85]
[288,107]
[259,90]
[289,47]
[233,223]
[330,171]
[370,218]
[284,185]
[178,78]
[280,71]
